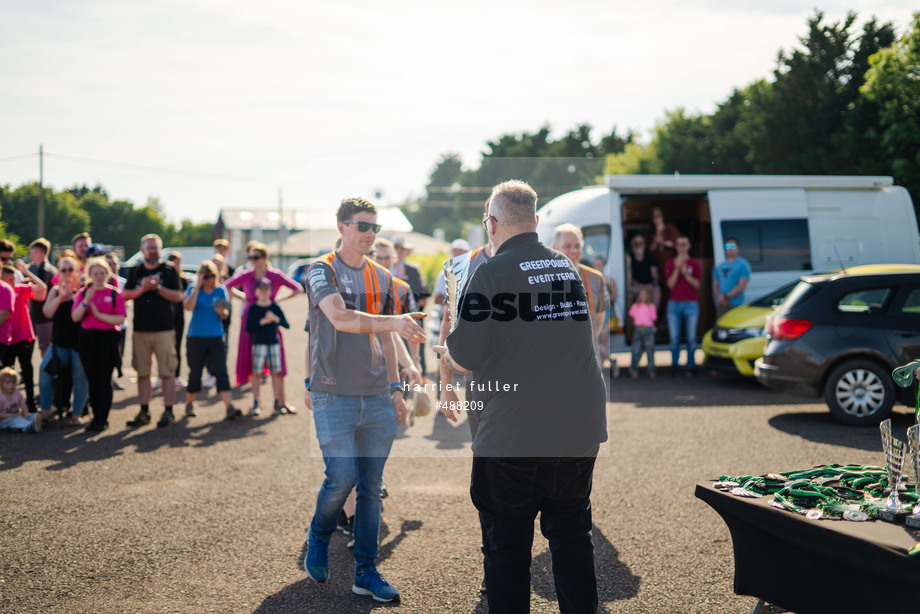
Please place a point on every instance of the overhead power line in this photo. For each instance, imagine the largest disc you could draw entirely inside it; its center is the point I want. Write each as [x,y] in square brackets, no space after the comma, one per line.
[158,169]
[22,157]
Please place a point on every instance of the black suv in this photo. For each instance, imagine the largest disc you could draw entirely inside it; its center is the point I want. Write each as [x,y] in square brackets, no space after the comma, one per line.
[841,335]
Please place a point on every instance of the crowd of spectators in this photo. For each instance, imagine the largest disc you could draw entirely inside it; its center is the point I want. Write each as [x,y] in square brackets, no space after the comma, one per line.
[76,309]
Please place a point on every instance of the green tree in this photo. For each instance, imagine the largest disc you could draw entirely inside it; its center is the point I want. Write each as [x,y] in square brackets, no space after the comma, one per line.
[811,119]
[4,233]
[63,217]
[455,196]
[190,233]
[893,84]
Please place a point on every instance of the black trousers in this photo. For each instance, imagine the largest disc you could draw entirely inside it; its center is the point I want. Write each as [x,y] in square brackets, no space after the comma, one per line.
[508,493]
[98,351]
[180,329]
[210,352]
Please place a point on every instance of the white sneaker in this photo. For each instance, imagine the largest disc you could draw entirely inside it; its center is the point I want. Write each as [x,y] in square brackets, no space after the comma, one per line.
[36,426]
[208,381]
[156,384]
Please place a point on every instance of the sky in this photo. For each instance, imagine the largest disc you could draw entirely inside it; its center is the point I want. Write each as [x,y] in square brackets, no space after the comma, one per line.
[210,104]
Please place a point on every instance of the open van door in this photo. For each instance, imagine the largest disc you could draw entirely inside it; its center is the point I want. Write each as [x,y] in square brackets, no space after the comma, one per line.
[772,229]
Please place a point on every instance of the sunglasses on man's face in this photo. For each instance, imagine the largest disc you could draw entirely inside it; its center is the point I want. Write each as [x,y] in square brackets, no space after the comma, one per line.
[255,257]
[66,270]
[365,226]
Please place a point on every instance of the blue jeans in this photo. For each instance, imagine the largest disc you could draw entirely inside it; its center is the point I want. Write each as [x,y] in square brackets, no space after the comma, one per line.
[686,313]
[69,358]
[355,434]
[643,341]
[508,493]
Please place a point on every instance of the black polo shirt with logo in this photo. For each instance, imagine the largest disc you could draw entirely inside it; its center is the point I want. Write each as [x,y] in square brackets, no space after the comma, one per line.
[525,332]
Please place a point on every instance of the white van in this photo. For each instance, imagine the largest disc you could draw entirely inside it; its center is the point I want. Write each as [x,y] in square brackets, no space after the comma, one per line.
[786,225]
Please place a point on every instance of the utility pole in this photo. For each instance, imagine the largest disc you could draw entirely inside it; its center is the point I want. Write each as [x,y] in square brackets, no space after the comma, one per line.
[281,237]
[41,192]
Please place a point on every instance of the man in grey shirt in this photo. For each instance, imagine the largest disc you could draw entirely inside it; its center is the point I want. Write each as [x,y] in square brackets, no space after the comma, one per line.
[354,390]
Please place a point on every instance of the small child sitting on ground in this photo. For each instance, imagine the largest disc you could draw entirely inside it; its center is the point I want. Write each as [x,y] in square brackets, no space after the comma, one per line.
[14,415]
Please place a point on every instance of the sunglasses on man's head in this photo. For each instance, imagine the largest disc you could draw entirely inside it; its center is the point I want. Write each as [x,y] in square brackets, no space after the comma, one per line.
[365,226]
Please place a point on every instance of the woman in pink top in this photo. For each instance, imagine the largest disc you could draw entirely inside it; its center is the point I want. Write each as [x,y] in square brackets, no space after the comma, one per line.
[22,335]
[100,309]
[246,279]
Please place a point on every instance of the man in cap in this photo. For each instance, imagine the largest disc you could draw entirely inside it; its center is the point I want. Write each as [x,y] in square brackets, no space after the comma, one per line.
[410,274]
[457,248]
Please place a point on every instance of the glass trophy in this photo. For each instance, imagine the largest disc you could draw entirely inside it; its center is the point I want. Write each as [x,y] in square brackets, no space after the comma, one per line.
[893,447]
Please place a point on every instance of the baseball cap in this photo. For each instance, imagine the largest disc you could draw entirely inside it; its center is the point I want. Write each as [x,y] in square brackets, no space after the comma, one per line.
[461,244]
[96,249]
[265,281]
[400,241]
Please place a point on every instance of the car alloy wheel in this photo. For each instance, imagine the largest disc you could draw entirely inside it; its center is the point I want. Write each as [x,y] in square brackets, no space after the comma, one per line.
[859,392]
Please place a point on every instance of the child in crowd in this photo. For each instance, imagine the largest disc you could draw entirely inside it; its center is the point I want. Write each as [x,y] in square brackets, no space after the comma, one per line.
[14,415]
[643,314]
[262,322]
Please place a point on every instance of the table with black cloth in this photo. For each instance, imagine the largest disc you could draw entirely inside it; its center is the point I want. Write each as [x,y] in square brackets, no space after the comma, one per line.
[818,566]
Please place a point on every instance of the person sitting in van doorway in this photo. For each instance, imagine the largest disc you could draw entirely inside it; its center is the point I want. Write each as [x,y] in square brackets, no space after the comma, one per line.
[683,275]
[643,270]
[730,278]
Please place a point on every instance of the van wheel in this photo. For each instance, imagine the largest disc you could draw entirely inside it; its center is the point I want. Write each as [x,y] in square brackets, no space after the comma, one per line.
[859,392]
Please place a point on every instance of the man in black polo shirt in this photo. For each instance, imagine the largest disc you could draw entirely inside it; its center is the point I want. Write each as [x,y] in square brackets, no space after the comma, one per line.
[153,285]
[525,334]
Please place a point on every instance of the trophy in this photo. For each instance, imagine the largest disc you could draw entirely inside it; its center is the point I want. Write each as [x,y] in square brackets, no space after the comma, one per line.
[456,276]
[904,377]
[913,448]
[894,464]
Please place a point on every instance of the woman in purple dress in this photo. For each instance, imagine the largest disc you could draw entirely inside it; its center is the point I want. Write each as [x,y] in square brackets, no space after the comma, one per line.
[246,280]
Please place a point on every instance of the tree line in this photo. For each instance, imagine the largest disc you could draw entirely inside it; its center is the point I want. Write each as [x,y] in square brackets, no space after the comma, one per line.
[83,209]
[845,102]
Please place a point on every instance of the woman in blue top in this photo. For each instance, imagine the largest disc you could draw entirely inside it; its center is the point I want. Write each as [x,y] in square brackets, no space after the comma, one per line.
[204,341]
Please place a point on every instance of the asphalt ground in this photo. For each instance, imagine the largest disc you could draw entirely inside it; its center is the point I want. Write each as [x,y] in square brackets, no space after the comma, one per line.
[209,515]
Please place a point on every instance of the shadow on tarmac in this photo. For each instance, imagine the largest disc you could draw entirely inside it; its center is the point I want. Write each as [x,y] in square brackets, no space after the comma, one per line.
[823,428]
[615,581]
[71,446]
[675,389]
[335,594]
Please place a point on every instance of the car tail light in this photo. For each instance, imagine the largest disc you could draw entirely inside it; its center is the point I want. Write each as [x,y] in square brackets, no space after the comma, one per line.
[787,329]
